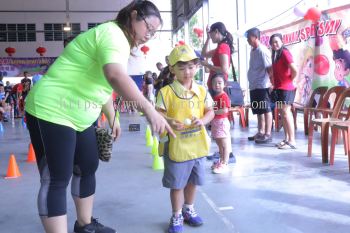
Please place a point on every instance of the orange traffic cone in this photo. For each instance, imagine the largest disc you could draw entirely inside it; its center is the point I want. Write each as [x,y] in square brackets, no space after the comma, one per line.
[103,118]
[31,154]
[12,170]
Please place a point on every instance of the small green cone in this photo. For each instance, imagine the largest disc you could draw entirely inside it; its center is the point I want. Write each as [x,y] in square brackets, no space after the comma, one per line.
[148,132]
[155,146]
[149,140]
[158,163]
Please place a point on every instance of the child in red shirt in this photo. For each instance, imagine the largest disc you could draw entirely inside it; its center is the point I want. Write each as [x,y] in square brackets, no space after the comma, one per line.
[220,125]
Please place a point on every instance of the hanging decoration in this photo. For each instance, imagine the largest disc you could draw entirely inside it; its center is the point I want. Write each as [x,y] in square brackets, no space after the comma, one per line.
[198,32]
[298,11]
[321,64]
[41,50]
[313,14]
[10,51]
[145,49]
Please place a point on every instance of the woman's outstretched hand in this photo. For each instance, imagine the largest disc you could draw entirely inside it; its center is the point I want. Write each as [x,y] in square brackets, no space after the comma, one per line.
[158,123]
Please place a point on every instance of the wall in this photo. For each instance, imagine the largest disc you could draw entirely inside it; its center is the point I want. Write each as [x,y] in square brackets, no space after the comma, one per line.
[83,12]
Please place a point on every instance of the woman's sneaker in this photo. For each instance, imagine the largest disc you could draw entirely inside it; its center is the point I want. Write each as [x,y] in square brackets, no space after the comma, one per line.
[176,224]
[191,217]
[93,227]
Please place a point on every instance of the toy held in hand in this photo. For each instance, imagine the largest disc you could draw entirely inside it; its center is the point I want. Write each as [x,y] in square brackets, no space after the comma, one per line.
[187,121]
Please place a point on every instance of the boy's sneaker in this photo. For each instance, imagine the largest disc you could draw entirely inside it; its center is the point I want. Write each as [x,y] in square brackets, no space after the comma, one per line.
[191,217]
[176,224]
[93,227]
[221,168]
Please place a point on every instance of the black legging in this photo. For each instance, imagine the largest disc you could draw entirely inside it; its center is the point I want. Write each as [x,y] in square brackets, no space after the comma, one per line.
[60,152]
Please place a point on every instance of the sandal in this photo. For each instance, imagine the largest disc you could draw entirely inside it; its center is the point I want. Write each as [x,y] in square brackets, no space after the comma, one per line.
[287,145]
[281,143]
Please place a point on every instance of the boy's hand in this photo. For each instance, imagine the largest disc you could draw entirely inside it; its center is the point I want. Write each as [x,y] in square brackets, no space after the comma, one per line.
[175,124]
[197,121]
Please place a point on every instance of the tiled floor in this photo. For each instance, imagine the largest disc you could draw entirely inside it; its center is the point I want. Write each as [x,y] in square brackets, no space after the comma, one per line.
[268,190]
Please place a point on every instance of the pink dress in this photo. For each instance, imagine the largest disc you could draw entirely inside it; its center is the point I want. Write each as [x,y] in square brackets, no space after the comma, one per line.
[220,125]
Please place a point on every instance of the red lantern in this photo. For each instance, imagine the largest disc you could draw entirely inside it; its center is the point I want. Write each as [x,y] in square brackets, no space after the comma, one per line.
[10,51]
[145,49]
[313,14]
[181,42]
[41,50]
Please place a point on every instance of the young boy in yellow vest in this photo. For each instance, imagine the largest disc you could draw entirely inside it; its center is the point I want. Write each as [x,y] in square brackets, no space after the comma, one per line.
[187,108]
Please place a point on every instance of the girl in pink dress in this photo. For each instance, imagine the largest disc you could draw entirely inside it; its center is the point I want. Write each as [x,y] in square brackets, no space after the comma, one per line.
[220,125]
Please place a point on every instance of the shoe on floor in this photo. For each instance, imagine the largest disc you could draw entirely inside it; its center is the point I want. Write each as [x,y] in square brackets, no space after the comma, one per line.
[215,164]
[216,155]
[191,217]
[281,143]
[253,138]
[232,158]
[287,145]
[93,227]
[176,224]
[220,168]
[265,139]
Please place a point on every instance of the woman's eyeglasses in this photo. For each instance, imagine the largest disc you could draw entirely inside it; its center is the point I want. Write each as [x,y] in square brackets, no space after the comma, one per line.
[150,31]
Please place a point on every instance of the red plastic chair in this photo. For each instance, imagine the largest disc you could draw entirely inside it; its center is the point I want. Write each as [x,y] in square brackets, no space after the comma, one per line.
[240,110]
[344,126]
[325,108]
[335,115]
[318,92]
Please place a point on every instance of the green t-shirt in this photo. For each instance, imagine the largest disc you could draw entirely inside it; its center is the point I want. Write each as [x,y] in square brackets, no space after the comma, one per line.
[74,89]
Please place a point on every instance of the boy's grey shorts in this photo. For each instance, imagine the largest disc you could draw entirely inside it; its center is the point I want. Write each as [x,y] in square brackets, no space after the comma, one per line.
[178,174]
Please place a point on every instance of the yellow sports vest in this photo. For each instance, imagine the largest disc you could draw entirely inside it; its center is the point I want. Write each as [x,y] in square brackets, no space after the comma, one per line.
[192,142]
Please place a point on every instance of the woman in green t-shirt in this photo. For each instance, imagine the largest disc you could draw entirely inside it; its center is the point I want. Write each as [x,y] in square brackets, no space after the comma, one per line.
[62,107]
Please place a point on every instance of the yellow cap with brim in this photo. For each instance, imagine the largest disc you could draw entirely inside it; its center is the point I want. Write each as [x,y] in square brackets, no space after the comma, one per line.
[182,53]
